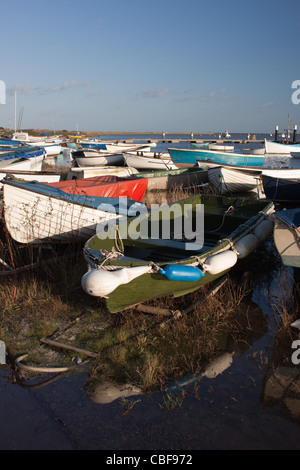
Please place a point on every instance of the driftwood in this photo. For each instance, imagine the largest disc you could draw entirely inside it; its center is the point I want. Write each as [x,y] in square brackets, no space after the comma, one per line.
[13,271]
[70,348]
[31,266]
[155,310]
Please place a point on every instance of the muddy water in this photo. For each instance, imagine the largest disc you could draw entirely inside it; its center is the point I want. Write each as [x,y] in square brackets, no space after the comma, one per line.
[225,412]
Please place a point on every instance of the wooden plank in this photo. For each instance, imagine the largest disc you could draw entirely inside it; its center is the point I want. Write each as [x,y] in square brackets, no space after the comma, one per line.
[155,310]
[68,347]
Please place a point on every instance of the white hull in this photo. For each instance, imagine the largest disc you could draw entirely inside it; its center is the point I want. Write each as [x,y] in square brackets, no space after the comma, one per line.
[52,150]
[259,151]
[126,147]
[149,161]
[280,149]
[228,181]
[88,172]
[237,179]
[41,177]
[51,147]
[115,147]
[96,159]
[28,164]
[221,148]
[31,217]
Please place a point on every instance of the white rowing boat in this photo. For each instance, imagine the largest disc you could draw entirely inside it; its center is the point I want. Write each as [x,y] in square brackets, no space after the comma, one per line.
[38,213]
[141,160]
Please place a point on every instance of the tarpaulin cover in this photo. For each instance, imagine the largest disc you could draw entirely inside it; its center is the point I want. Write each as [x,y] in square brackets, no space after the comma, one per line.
[21,153]
[290,217]
[105,186]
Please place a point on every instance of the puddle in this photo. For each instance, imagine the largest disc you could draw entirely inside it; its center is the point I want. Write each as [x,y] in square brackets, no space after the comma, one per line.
[223,409]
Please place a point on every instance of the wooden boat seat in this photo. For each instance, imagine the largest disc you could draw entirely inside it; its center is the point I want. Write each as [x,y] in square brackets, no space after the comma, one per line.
[165,250]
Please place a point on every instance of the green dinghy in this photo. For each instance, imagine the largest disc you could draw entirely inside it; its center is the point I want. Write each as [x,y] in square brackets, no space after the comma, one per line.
[174,249]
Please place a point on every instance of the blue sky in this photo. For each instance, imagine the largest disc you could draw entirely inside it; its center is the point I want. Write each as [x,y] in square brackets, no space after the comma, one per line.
[159,66]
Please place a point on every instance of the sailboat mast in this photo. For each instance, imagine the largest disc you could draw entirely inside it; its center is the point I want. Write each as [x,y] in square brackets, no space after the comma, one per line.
[15,111]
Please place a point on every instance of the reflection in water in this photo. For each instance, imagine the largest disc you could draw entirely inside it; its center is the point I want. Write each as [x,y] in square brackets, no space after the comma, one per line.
[107,392]
[281,386]
[216,367]
[281,391]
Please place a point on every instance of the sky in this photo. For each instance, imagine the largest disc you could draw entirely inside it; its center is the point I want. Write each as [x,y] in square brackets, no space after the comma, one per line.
[150,66]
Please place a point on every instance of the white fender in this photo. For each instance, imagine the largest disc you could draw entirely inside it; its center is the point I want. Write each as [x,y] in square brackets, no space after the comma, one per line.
[100,283]
[215,264]
[250,242]
[246,245]
[264,229]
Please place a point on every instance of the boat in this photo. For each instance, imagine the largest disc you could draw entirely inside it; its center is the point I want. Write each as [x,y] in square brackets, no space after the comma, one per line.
[254,151]
[221,148]
[90,143]
[52,150]
[8,143]
[278,148]
[189,157]
[26,165]
[30,175]
[38,213]
[51,146]
[158,254]
[182,178]
[229,179]
[89,171]
[17,152]
[29,139]
[232,180]
[113,147]
[123,147]
[280,189]
[23,137]
[143,160]
[70,145]
[94,157]
[29,159]
[196,145]
[286,236]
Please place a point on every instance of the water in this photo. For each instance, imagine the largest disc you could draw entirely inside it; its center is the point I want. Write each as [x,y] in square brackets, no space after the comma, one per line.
[225,412]
[221,413]
[183,141]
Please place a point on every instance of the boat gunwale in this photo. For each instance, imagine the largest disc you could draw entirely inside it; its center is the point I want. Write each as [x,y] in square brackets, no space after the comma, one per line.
[216,152]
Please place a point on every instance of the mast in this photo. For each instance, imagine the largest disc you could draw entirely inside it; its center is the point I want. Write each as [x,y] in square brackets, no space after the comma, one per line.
[289,126]
[15,111]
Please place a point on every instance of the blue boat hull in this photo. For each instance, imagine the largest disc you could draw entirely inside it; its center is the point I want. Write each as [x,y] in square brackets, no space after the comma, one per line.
[93,146]
[190,157]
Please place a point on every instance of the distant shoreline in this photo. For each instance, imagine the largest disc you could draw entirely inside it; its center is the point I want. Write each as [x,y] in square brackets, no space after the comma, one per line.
[90,133]
[64,132]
